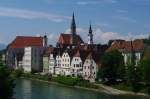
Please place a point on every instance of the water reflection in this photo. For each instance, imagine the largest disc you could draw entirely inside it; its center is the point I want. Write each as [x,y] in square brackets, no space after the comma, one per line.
[27,89]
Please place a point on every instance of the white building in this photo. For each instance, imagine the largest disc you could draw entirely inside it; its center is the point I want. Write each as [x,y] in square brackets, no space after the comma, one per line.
[32,59]
[90,67]
[27,62]
[26,52]
[66,62]
[52,64]
[77,63]
[127,48]
[58,64]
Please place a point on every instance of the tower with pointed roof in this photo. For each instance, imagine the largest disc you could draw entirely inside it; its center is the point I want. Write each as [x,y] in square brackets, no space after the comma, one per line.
[73,30]
[90,35]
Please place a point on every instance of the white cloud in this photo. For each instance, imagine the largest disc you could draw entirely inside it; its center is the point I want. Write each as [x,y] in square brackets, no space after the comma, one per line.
[124,18]
[53,38]
[87,2]
[103,37]
[26,14]
[95,2]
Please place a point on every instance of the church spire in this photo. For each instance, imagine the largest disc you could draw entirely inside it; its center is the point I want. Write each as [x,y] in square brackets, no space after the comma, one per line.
[73,25]
[90,35]
[73,30]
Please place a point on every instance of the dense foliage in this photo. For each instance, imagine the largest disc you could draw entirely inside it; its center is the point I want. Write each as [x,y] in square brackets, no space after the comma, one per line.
[145,69]
[66,80]
[112,67]
[6,82]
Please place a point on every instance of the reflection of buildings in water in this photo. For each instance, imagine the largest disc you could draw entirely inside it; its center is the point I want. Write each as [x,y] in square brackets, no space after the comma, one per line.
[26,89]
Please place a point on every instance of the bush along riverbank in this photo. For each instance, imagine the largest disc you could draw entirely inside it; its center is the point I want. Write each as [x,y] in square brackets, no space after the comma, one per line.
[69,81]
[78,83]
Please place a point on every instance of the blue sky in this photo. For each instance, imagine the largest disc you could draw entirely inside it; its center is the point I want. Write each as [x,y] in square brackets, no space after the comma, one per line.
[110,19]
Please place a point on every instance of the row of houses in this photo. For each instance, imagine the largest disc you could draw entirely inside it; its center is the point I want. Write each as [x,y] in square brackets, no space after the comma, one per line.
[71,56]
[72,62]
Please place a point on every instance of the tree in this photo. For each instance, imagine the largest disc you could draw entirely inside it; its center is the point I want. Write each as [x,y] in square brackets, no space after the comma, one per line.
[6,82]
[112,66]
[145,69]
[145,72]
[133,74]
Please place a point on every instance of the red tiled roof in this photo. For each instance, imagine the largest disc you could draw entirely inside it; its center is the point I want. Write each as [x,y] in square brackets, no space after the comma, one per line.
[126,45]
[66,39]
[24,41]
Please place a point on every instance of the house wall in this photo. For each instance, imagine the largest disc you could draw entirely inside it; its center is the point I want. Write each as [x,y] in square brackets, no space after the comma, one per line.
[89,70]
[45,64]
[51,64]
[58,65]
[65,64]
[32,60]
[27,61]
[128,56]
[76,66]
[12,60]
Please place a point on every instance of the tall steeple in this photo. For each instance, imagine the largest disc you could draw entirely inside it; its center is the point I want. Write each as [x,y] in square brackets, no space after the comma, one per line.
[90,35]
[73,30]
[73,25]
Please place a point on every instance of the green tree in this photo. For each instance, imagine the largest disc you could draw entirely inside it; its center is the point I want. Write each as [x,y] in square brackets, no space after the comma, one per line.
[145,69]
[145,72]
[133,73]
[112,66]
[6,82]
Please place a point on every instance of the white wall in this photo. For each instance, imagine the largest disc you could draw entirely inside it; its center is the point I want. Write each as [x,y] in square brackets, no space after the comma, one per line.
[27,59]
[89,69]
[51,64]
[58,65]
[76,66]
[65,64]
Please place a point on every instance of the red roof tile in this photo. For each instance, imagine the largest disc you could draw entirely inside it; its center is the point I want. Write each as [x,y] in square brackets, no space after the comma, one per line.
[126,45]
[66,39]
[24,41]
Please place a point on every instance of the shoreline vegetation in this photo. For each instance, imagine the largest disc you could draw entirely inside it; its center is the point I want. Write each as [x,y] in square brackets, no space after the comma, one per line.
[77,83]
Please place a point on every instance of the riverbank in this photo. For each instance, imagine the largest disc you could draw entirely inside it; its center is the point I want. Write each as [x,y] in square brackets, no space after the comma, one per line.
[101,88]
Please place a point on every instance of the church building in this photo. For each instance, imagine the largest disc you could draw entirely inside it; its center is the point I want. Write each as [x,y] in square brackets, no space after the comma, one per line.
[70,39]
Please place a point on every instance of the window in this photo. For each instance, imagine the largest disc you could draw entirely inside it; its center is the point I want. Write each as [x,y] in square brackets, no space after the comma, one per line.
[86,61]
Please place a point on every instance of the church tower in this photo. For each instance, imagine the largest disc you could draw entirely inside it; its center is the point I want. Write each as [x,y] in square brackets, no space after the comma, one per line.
[73,30]
[90,35]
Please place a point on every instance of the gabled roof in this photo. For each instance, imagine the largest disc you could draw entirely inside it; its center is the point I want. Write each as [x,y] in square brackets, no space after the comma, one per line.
[24,41]
[66,39]
[82,54]
[54,50]
[126,45]
[71,52]
[96,56]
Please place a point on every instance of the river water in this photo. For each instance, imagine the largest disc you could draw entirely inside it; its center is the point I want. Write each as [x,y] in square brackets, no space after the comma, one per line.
[29,89]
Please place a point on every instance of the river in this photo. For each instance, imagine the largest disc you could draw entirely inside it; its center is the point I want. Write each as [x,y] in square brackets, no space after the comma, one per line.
[29,89]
